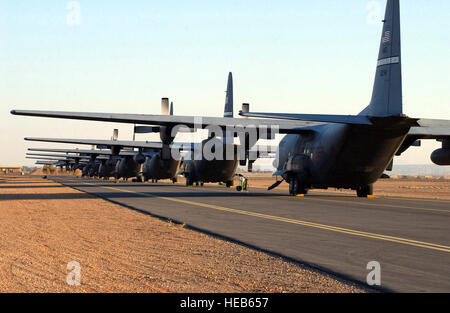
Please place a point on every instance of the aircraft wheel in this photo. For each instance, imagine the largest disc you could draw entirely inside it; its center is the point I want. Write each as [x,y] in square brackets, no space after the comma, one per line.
[365,191]
[293,183]
[189,182]
[197,184]
[296,188]
[174,180]
[230,184]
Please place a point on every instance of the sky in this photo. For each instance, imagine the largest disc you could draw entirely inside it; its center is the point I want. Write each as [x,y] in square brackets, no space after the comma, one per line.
[290,56]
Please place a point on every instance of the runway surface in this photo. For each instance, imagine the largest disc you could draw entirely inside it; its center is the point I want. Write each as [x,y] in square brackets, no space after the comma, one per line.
[410,238]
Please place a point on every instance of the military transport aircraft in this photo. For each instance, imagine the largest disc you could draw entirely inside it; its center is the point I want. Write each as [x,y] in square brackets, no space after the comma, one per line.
[155,167]
[341,151]
[92,155]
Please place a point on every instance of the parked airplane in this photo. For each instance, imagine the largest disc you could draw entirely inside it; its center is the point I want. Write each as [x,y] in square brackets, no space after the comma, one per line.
[215,171]
[341,151]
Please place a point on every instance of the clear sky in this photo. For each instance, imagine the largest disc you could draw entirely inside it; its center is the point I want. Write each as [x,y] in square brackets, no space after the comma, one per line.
[286,56]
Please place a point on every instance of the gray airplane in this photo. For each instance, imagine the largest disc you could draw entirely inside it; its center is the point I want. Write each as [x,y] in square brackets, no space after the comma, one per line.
[155,167]
[70,164]
[94,159]
[214,171]
[123,161]
[322,151]
[104,169]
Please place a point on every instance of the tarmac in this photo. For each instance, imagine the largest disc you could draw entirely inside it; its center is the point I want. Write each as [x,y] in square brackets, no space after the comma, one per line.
[339,234]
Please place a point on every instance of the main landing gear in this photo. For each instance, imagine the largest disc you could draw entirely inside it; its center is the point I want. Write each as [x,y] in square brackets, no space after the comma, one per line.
[365,191]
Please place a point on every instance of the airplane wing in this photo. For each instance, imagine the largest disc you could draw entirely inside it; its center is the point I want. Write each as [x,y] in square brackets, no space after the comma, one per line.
[71,156]
[284,126]
[157,146]
[80,151]
[428,129]
[109,143]
[431,129]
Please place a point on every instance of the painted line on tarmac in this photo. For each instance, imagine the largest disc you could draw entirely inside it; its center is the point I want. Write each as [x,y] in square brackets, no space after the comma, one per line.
[381,205]
[399,240]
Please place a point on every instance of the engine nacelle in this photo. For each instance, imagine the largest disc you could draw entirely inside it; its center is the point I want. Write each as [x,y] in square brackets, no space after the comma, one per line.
[140,159]
[441,157]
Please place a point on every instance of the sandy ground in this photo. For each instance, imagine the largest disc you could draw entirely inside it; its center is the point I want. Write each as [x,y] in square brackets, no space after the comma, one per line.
[424,188]
[44,226]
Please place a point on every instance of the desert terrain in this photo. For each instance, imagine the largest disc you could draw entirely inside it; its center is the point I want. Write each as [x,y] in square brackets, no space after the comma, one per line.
[45,225]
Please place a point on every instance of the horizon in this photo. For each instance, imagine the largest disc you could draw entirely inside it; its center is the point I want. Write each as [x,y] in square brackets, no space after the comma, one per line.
[119,57]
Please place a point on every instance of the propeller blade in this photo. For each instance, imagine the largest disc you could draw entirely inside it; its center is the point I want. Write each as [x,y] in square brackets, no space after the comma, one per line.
[278,183]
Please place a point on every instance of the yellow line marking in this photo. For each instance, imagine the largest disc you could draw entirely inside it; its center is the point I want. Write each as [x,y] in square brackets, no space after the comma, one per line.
[378,205]
[404,241]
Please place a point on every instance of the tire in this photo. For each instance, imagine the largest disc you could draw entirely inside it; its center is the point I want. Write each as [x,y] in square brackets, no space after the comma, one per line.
[296,188]
[229,184]
[365,191]
[189,182]
[293,186]
[174,180]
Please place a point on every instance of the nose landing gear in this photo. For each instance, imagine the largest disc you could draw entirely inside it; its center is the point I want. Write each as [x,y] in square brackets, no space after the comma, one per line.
[296,187]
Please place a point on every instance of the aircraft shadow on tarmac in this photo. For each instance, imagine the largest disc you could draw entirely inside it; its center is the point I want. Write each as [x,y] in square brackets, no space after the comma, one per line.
[46,196]
[168,194]
[30,187]
[204,192]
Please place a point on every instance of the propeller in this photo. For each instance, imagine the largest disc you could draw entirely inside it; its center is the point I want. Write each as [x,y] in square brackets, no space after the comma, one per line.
[278,183]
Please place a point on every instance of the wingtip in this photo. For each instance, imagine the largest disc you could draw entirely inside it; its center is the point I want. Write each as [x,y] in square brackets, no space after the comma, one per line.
[13,112]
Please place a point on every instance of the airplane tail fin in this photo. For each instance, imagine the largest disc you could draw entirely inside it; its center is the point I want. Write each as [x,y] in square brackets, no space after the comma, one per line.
[229,98]
[171,109]
[387,90]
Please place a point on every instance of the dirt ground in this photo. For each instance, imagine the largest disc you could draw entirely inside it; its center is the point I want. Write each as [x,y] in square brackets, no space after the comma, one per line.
[44,226]
[407,187]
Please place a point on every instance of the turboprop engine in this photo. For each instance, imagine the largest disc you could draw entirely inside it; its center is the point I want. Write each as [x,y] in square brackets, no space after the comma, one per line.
[139,158]
[442,156]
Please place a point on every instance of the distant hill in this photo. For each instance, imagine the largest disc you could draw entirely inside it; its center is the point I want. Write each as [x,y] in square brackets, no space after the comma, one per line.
[421,170]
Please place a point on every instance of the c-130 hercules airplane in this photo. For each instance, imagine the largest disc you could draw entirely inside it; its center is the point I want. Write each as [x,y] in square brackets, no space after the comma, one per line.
[340,151]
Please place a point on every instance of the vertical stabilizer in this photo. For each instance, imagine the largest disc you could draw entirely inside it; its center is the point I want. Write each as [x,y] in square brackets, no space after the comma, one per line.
[229,98]
[387,90]
[171,108]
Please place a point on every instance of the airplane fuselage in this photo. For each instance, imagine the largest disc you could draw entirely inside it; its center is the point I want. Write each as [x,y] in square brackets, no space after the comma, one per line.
[127,167]
[340,156]
[156,168]
[107,168]
[212,171]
